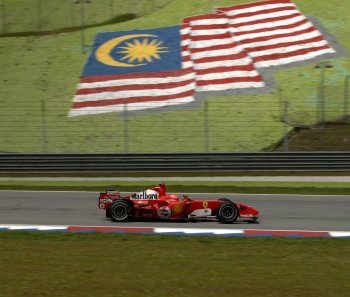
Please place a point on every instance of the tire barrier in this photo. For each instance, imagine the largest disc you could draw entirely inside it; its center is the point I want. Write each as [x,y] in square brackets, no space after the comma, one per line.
[264,161]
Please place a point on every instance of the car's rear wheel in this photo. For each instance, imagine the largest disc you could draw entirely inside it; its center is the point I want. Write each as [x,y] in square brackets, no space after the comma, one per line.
[227,212]
[120,211]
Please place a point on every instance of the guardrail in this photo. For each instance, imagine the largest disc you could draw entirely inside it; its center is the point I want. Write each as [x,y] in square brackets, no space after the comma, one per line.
[297,161]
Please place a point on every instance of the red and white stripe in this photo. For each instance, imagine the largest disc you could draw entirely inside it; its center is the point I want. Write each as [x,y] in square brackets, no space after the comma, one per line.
[176,231]
[274,32]
[219,62]
[135,91]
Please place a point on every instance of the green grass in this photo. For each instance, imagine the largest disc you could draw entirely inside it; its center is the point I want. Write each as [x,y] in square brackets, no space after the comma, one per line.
[101,265]
[330,188]
[20,16]
[36,68]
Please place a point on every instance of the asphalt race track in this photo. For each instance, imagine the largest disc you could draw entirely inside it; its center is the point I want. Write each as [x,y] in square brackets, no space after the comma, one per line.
[278,212]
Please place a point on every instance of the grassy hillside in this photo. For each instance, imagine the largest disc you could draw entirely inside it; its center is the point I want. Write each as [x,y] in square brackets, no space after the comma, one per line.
[328,137]
[48,15]
[47,68]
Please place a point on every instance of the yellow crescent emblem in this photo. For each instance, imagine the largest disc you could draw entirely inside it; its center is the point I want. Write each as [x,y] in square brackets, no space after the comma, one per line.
[103,52]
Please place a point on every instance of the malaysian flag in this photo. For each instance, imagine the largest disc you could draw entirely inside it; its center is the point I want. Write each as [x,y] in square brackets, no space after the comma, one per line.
[219,62]
[135,70]
[143,69]
[275,33]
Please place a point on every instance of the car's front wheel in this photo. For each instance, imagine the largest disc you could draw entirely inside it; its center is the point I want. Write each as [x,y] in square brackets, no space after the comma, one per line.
[227,212]
[120,211]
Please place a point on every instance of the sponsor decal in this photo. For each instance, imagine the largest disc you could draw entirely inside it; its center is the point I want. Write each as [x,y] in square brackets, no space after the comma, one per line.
[145,195]
[106,200]
[164,212]
[177,208]
[102,205]
[205,204]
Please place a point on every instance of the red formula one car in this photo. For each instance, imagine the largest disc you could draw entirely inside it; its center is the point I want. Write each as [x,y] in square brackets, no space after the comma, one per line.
[156,204]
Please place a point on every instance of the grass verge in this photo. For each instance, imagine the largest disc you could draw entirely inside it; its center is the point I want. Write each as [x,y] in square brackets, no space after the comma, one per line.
[325,188]
[96,264]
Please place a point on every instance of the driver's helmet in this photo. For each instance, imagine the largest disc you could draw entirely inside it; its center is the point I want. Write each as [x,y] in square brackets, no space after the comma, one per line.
[173,196]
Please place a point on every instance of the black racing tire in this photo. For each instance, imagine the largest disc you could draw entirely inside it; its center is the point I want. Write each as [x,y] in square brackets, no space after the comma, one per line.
[120,211]
[227,212]
[108,214]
